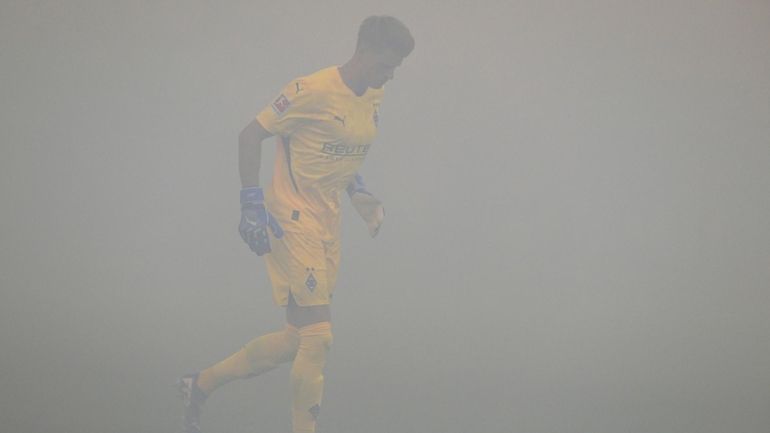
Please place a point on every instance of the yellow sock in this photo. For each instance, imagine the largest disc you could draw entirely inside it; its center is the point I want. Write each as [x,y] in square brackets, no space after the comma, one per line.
[258,356]
[307,380]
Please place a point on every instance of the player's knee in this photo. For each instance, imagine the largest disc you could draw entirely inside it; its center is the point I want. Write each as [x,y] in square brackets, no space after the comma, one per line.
[314,342]
[328,340]
[324,342]
[319,333]
[291,335]
[308,366]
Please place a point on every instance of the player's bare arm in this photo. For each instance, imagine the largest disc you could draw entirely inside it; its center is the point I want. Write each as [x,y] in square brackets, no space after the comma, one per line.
[255,219]
[250,152]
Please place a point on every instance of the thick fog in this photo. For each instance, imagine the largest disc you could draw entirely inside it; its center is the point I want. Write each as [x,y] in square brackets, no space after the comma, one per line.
[577,235]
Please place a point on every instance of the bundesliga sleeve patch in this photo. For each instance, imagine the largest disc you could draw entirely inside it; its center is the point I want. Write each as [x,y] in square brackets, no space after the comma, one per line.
[281,104]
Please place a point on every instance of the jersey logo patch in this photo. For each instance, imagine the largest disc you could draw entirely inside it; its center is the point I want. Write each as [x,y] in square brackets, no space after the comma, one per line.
[281,104]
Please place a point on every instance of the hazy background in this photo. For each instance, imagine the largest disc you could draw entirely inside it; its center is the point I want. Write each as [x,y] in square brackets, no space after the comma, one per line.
[577,234]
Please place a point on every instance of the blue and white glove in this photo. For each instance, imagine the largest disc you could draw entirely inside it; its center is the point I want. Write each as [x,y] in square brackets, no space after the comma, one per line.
[371,210]
[255,219]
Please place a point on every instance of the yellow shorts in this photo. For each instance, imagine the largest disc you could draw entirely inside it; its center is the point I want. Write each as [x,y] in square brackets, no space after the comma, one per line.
[304,266]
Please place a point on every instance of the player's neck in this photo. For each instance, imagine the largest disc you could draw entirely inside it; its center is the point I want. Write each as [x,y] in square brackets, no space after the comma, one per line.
[349,72]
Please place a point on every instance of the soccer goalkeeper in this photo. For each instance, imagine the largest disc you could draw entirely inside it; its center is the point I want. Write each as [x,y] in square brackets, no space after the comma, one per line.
[324,123]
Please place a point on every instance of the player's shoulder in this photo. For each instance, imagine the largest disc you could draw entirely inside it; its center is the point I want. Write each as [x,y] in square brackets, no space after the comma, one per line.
[306,92]
[319,82]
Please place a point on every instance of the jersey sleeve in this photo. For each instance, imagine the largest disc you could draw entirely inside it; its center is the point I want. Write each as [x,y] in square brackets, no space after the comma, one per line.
[297,104]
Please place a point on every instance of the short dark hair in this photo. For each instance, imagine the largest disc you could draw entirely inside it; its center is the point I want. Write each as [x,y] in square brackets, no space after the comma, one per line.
[384,31]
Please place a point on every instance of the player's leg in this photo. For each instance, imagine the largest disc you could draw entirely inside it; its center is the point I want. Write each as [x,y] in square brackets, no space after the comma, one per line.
[268,351]
[308,309]
[307,379]
[258,356]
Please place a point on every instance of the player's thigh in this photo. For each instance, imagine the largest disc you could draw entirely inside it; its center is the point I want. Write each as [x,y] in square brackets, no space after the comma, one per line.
[332,258]
[301,260]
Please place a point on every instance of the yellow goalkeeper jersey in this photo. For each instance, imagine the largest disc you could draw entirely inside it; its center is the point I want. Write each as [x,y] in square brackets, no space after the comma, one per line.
[324,132]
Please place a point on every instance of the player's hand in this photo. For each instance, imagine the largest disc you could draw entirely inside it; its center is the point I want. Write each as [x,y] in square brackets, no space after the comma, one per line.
[255,219]
[369,207]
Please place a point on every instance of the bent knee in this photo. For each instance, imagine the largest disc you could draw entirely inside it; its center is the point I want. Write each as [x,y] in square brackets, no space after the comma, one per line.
[316,337]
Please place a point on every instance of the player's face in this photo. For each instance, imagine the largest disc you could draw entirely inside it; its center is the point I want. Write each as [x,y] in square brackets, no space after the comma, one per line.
[381,67]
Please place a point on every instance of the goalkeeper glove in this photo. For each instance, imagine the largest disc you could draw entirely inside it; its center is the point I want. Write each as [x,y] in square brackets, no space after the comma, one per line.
[370,209]
[255,219]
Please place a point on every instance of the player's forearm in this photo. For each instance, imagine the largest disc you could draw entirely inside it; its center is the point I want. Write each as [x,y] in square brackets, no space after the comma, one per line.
[249,159]
[250,152]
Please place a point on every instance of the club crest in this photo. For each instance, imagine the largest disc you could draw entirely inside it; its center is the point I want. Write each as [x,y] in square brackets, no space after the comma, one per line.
[311,283]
